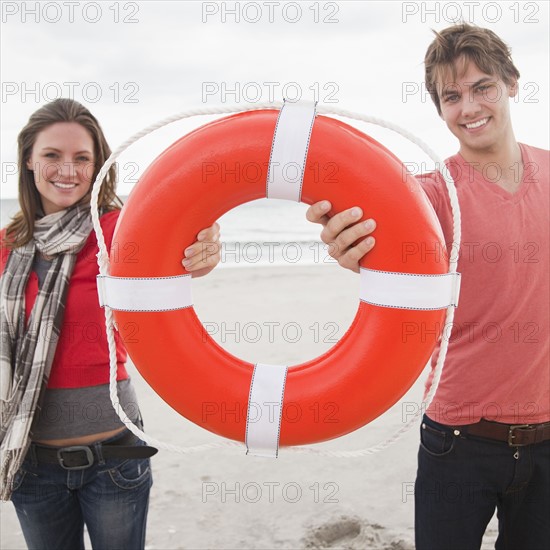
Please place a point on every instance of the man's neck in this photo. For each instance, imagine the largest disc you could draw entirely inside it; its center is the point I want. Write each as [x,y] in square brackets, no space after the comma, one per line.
[502,165]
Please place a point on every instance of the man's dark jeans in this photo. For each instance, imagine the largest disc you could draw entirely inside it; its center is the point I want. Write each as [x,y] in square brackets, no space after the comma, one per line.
[461,480]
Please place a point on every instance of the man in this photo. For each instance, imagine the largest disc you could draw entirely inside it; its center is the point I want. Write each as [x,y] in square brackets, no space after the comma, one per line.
[473,457]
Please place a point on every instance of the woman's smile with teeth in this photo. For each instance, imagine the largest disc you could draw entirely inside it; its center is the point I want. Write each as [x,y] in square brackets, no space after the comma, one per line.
[64,185]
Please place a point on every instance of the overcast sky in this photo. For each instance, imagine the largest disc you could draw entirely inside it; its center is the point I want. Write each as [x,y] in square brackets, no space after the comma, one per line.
[133,63]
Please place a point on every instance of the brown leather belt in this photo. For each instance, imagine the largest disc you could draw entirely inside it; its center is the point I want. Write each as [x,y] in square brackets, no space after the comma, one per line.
[516,435]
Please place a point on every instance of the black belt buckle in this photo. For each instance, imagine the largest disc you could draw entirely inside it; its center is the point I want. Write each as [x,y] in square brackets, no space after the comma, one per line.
[74,449]
[511,435]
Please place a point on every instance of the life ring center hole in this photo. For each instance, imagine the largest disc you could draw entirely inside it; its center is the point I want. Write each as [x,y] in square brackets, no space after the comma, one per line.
[277,296]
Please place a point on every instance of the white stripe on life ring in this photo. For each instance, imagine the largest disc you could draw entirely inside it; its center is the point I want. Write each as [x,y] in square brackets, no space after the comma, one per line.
[289,150]
[145,293]
[409,290]
[265,409]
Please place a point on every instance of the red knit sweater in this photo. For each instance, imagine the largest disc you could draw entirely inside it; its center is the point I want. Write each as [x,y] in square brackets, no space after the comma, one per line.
[82,355]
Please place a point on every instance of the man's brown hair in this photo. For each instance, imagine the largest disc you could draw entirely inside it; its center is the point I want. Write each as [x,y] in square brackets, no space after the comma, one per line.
[466,43]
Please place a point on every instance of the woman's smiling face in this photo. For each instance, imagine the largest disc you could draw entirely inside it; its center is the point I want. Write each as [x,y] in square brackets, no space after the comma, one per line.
[62,160]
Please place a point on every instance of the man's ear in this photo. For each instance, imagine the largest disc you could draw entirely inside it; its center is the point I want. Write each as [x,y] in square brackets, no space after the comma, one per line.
[513,89]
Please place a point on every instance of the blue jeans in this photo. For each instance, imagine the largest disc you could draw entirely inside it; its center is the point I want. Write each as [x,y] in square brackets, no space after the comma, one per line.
[461,480]
[111,497]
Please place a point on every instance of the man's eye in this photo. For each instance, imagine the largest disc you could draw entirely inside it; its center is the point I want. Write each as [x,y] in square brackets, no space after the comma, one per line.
[451,98]
[484,88]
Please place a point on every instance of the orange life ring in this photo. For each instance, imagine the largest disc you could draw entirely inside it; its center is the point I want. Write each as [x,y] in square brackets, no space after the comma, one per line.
[369,369]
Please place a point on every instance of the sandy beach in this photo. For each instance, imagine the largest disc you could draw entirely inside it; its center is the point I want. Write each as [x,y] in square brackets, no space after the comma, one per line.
[223,499]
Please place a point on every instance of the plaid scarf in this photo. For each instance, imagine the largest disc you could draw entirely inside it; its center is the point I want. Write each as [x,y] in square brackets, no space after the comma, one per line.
[28,350]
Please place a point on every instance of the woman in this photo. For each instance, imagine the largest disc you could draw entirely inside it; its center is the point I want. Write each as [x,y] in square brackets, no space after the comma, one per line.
[66,458]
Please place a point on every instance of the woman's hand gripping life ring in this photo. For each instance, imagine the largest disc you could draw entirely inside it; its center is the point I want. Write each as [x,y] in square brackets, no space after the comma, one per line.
[227,163]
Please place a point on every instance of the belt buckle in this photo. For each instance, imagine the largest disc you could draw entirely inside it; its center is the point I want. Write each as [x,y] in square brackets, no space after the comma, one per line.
[511,435]
[75,448]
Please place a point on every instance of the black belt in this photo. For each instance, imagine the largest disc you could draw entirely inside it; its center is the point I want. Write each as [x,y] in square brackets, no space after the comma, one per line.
[79,457]
[516,435]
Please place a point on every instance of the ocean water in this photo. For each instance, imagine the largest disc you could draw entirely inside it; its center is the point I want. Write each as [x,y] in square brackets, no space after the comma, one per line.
[259,233]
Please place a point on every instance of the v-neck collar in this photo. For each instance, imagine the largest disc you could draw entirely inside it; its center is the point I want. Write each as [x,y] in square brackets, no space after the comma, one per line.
[526,179]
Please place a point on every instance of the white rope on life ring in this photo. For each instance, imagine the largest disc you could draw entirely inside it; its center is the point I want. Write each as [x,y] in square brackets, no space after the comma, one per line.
[103,262]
